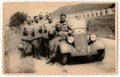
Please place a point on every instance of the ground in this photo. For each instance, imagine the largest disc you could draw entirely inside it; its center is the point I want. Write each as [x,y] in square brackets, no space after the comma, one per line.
[105,66]
[32,65]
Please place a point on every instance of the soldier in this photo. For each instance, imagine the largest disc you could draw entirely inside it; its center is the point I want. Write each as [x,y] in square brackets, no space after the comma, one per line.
[41,33]
[47,16]
[62,28]
[36,42]
[28,34]
[36,19]
[48,34]
[41,16]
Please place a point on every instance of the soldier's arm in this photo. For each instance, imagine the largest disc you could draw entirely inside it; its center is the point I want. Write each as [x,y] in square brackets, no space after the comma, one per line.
[71,30]
[56,29]
[27,39]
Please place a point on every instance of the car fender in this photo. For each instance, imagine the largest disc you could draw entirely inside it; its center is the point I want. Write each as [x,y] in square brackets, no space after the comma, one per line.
[65,47]
[98,44]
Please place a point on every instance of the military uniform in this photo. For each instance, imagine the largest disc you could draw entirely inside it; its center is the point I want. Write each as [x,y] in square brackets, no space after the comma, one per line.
[48,35]
[38,28]
[28,33]
[63,27]
[60,29]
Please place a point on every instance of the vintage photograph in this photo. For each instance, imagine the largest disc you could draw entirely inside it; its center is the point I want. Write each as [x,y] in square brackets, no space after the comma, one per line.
[56,38]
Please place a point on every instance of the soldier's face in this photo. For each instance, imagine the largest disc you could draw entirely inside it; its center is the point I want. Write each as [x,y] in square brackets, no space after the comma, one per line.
[50,19]
[29,21]
[36,19]
[40,17]
[62,18]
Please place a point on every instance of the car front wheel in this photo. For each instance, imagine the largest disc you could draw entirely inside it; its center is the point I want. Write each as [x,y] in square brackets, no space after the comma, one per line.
[100,56]
[64,59]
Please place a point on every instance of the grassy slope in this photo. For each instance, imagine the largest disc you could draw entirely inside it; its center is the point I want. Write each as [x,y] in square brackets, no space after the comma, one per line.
[104,26]
[70,9]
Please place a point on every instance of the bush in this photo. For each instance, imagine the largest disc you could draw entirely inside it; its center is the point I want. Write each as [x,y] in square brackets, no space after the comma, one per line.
[17,19]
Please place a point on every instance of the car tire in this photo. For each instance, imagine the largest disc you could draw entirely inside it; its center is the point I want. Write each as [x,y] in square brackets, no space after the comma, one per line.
[64,59]
[100,56]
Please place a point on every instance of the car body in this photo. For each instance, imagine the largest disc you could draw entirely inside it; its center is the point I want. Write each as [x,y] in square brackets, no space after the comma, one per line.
[84,45]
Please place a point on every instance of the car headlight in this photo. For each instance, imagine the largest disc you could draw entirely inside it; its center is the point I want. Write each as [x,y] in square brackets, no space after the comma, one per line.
[93,37]
[70,39]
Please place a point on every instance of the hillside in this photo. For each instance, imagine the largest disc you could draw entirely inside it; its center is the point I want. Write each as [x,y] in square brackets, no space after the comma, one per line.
[70,9]
[104,26]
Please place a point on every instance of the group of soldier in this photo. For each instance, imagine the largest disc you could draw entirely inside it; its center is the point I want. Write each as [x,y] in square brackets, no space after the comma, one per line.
[41,35]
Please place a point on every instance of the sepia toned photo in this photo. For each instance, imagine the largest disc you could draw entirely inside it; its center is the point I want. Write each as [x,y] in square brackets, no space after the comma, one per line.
[56,38]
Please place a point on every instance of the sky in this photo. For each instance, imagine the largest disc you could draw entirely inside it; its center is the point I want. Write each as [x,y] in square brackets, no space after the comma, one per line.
[31,8]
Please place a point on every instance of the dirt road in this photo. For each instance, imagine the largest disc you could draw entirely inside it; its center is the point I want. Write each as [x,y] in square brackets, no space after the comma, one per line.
[32,65]
[105,67]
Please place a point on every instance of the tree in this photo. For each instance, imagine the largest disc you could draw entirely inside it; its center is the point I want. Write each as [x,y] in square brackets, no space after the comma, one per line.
[17,19]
